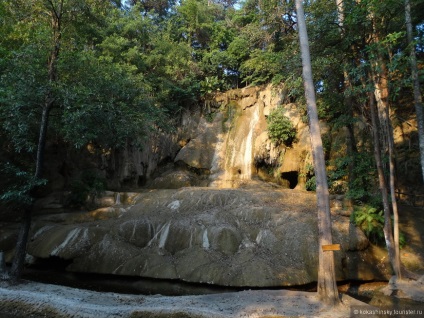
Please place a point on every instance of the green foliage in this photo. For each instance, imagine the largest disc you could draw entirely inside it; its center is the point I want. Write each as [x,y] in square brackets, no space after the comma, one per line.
[87,188]
[17,185]
[160,7]
[197,18]
[261,67]
[280,128]
[111,111]
[311,182]
[210,85]
[23,86]
[361,188]
[210,117]
[104,91]
[371,221]
[402,240]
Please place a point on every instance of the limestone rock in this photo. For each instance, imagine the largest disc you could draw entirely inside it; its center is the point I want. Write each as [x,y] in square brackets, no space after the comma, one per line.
[199,151]
[231,237]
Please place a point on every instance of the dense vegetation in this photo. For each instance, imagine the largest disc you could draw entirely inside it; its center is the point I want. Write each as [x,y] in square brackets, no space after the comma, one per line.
[107,72]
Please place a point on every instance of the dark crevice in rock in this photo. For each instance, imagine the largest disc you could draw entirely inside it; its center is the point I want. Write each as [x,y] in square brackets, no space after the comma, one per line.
[291,177]
[54,263]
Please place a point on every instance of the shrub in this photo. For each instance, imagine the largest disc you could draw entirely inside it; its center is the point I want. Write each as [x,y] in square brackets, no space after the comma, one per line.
[309,174]
[371,221]
[311,184]
[280,128]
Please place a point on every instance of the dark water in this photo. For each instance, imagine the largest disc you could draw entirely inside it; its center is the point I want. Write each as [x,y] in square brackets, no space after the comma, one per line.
[389,306]
[53,271]
[122,284]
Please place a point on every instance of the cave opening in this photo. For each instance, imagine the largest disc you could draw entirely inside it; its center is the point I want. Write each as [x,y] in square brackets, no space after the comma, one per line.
[291,177]
[142,180]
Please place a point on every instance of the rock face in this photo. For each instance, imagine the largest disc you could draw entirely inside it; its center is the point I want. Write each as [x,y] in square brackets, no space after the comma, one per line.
[222,146]
[223,143]
[233,146]
[230,237]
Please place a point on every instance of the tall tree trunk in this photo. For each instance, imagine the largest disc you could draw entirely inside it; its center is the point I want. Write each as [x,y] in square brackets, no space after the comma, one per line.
[3,270]
[381,93]
[392,186]
[418,102]
[19,258]
[387,229]
[327,288]
[42,138]
[350,140]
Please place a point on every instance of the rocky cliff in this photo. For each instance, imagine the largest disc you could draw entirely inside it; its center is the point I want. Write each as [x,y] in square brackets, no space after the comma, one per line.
[231,144]
[224,143]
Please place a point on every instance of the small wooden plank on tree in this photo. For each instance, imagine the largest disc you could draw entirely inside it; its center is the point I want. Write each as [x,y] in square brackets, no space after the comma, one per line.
[331,247]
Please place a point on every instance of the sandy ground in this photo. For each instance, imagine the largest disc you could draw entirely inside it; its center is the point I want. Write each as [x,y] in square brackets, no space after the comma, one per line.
[32,299]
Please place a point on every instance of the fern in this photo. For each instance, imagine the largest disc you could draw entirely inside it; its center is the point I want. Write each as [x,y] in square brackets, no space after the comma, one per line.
[371,221]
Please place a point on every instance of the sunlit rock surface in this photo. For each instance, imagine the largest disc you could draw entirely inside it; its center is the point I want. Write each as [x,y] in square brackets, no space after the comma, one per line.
[258,236]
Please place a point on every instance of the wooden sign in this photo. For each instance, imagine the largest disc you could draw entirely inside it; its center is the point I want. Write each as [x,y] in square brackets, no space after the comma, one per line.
[332,247]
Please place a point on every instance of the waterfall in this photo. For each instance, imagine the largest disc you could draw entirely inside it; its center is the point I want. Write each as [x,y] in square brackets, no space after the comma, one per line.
[217,166]
[118,199]
[240,154]
[164,235]
[234,151]
[205,239]
[248,150]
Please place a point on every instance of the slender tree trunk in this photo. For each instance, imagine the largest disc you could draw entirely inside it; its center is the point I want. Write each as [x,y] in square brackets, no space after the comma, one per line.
[3,270]
[381,92]
[42,139]
[418,102]
[327,288]
[382,95]
[392,186]
[350,140]
[19,258]
[387,229]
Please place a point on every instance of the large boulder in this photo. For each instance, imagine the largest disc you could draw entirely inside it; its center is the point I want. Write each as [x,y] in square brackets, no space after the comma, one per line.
[198,153]
[230,237]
